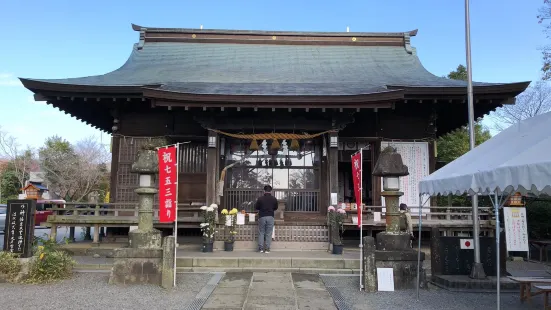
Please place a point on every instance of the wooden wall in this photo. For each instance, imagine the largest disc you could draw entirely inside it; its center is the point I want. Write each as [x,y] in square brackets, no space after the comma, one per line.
[180,125]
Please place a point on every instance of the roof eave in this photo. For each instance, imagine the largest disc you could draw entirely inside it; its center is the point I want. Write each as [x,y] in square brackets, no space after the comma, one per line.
[322,100]
[498,89]
[37,86]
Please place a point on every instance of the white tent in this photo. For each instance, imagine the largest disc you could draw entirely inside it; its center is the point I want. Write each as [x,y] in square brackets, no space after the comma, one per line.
[517,159]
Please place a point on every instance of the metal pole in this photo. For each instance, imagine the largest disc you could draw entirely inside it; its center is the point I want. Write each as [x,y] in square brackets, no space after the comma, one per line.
[419,244]
[496,210]
[176,216]
[477,272]
[360,219]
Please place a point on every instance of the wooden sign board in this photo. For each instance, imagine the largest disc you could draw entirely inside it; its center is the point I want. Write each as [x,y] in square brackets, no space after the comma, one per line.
[19,232]
[516,230]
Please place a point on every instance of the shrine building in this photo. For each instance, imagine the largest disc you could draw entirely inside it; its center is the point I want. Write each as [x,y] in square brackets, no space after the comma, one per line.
[289,107]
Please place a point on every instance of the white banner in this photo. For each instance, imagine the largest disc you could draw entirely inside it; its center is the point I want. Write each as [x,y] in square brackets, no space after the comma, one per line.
[516,231]
[415,155]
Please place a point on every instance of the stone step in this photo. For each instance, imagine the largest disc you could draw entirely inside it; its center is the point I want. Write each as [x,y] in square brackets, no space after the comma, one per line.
[266,269]
[268,262]
[107,268]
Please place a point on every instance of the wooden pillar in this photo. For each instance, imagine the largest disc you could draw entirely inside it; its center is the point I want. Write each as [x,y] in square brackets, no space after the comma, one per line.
[324,182]
[333,164]
[212,166]
[115,147]
[376,181]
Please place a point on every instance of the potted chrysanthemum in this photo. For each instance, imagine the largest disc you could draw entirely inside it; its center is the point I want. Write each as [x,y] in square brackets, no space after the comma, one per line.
[230,217]
[208,226]
[336,220]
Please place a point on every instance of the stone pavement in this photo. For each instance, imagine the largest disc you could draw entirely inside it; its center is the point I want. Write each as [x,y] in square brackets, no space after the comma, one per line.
[270,290]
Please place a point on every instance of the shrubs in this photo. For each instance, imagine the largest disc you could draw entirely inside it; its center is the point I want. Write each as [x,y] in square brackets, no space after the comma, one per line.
[9,266]
[50,263]
[47,265]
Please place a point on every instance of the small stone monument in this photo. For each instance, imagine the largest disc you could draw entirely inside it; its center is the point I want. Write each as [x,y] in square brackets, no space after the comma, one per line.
[393,246]
[142,262]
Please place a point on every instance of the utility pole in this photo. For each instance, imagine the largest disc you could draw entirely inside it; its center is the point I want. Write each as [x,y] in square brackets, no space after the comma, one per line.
[477,271]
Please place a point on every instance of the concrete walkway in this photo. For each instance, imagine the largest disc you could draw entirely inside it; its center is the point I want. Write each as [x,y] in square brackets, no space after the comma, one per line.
[271,290]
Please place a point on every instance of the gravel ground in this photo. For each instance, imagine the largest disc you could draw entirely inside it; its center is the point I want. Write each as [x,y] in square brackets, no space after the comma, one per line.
[91,291]
[434,298]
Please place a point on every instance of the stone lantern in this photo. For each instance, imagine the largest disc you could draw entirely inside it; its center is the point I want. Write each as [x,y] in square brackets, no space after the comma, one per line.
[147,166]
[390,167]
[144,261]
[392,247]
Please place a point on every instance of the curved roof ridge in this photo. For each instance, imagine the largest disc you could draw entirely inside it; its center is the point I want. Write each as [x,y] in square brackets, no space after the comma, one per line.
[276,32]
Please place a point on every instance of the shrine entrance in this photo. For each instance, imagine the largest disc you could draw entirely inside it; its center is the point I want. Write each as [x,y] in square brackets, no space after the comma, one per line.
[292,170]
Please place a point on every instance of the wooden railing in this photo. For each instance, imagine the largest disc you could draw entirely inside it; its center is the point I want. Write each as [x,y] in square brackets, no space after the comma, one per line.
[437,213]
[297,200]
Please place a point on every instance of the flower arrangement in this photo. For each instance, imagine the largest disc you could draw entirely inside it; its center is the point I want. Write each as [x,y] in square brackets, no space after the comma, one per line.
[336,220]
[230,217]
[208,226]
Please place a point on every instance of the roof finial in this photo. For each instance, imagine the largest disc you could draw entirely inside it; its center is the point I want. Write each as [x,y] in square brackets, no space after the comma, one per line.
[201,27]
[347,29]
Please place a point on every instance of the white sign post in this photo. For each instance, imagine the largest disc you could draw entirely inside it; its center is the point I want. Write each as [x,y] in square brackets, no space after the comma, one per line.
[516,230]
[385,279]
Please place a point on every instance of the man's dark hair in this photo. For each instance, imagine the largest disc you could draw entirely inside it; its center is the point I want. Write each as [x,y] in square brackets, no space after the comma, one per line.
[267,188]
[403,206]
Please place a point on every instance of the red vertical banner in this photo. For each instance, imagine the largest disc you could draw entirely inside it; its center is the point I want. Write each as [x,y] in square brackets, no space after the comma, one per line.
[357,180]
[168,178]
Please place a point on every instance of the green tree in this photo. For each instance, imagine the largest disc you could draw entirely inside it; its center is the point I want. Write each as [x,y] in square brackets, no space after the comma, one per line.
[9,183]
[456,143]
[459,74]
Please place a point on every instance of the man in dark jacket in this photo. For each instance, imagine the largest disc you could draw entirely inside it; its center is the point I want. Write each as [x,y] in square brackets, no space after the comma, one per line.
[265,205]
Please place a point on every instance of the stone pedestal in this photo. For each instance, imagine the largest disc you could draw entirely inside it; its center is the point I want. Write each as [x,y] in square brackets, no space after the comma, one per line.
[137,266]
[404,265]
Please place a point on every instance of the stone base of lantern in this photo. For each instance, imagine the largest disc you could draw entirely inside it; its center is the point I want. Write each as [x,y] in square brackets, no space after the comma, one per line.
[393,250]
[145,239]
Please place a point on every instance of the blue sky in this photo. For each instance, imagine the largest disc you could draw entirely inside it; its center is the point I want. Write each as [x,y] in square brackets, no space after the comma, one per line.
[58,39]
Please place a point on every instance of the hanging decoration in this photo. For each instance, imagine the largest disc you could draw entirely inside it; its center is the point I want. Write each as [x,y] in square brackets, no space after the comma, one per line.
[275,145]
[272,136]
[295,146]
[254,146]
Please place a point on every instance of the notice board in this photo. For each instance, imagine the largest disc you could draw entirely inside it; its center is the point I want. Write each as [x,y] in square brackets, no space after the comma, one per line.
[516,230]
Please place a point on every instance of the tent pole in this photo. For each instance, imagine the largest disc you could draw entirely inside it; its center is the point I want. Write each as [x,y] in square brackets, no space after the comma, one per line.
[496,210]
[419,244]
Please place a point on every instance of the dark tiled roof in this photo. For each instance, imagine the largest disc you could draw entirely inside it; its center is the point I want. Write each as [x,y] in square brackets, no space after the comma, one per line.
[264,69]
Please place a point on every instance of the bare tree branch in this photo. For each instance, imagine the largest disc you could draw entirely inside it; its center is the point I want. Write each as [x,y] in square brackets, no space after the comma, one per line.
[74,172]
[22,160]
[534,101]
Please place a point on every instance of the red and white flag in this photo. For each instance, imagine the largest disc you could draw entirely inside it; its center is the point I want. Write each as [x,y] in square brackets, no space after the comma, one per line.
[466,244]
[357,180]
[168,179]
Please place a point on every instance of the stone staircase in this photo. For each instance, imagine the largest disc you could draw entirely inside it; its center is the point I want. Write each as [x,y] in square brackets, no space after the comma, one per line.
[318,262]
[250,263]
